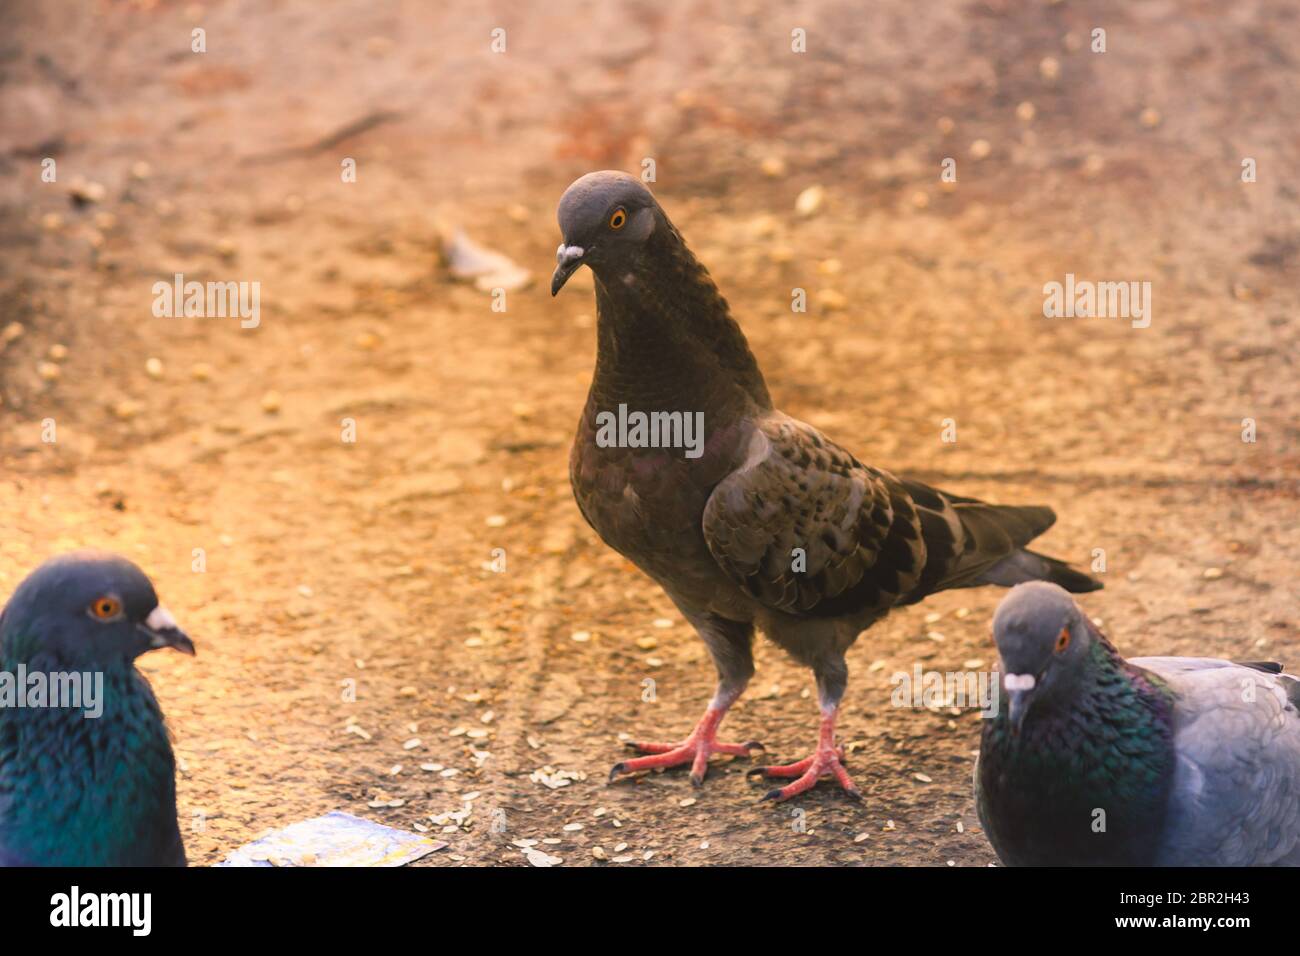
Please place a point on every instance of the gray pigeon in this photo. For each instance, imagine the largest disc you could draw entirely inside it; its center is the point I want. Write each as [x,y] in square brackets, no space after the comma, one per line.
[753,519]
[1164,761]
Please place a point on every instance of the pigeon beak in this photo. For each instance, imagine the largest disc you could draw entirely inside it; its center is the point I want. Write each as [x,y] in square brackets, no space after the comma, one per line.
[1019,689]
[569,258]
[1017,709]
[163,632]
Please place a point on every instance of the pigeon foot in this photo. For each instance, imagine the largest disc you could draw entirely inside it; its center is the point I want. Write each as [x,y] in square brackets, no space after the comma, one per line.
[827,761]
[695,750]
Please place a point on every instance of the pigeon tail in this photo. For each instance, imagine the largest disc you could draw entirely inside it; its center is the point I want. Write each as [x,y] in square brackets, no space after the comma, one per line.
[1025,565]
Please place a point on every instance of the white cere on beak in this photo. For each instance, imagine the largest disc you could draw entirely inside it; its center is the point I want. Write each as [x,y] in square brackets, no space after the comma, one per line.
[159,619]
[1018,681]
[565,254]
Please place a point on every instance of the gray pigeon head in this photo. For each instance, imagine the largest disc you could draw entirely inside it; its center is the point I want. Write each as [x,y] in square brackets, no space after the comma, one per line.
[89,610]
[1042,639]
[605,218]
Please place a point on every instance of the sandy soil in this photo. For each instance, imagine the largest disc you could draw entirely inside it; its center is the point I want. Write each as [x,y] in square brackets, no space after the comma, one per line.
[330,562]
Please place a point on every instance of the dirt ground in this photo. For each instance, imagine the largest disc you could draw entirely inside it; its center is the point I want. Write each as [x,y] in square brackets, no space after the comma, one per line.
[329,562]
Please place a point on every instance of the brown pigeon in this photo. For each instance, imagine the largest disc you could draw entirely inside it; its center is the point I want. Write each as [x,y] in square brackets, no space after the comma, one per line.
[746,517]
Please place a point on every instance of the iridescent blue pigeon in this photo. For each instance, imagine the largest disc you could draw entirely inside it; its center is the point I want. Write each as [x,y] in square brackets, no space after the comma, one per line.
[87,776]
[1165,761]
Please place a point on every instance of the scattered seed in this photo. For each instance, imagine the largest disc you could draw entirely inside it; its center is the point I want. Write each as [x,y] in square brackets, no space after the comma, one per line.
[810,201]
[831,300]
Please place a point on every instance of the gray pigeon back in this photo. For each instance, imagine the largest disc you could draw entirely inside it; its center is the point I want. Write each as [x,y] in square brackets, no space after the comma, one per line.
[1235,799]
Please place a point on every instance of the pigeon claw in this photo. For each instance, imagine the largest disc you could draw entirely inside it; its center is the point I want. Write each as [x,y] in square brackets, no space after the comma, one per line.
[694,750]
[826,762]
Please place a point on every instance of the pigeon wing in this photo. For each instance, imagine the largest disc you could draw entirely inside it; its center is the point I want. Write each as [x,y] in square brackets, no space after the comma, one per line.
[1235,799]
[806,529]
[869,540]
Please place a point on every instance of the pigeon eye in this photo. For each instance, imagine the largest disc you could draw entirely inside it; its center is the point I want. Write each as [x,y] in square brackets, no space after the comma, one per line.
[616,221]
[105,608]
[1063,640]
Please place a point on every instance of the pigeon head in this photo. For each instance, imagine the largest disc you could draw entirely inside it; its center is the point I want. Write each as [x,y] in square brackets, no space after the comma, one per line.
[1043,641]
[605,218]
[86,609]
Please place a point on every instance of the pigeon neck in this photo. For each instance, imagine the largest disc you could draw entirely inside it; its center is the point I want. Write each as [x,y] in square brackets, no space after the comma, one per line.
[114,795]
[1108,744]
[1106,695]
[1110,686]
[666,339]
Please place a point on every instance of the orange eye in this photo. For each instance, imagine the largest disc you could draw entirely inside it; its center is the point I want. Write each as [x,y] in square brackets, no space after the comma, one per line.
[105,608]
[1063,640]
[617,220]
